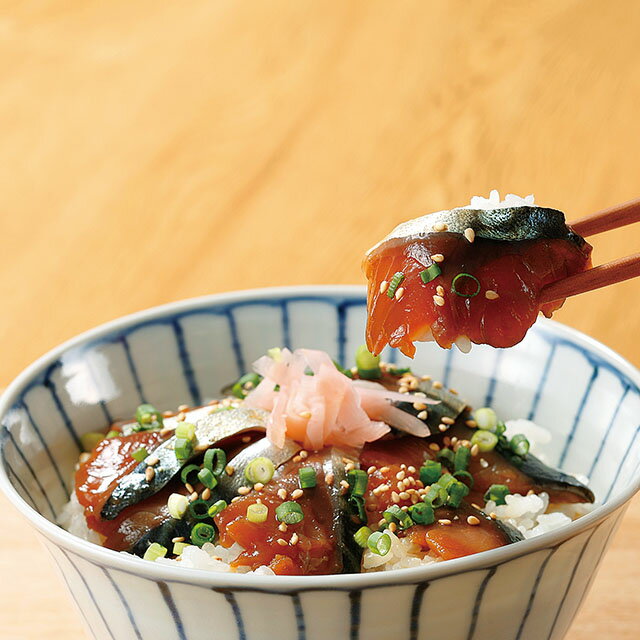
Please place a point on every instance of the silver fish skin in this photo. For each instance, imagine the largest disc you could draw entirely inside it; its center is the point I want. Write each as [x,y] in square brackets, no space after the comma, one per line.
[211,428]
[508,224]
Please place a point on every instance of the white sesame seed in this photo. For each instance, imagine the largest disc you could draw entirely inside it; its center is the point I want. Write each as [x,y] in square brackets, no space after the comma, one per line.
[434,446]
[190,489]
[236,499]
[437,384]
[473,521]
[425,378]
[440,226]
[349,467]
[149,474]
[444,521]
[229,470]
[419,406]
[403,495]
[282,542]
[400,485]
[400,475]
[475,449]
[469,234]
[344,484]
[193,497]
[243,491]
[177,539]
[246,439]
[403,389]
[471,423]
[305,414]
[294,540]
[422,415]
[411,469]
[440,290]
[371,470]
[437,257]
[395,497]
[483,463]
[329,478]
[454,391]
[384,469]
[493,515]
[399,293]
[383,488]
[206,494]
[297,459]
[297,493]
[442,427]
[490,294]
[258,486]
[383,286]
[180,417]
[152,461]
[447,420]
[283,527]
[282,494]
[392,527]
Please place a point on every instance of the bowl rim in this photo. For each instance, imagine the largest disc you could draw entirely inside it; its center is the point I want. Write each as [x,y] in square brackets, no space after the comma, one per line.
[126,563]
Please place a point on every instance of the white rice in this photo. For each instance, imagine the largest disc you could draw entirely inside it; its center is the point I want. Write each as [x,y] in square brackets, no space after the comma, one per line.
[494,202]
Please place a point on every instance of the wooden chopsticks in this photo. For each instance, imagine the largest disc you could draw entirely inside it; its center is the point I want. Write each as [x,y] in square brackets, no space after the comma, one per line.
[605,274]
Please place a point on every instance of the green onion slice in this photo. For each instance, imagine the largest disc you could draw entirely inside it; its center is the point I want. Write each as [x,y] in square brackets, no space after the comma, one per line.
[394,283]
[485,418]
[379,543]
[361,536]
[485,440]
[466,475]
[189,474]
[461,458]
[215,460]
[186,430]
[259,470]
[519,445]
[367,364]
[216,508]
[289,513]
[148,417]
[398,371]
[422,513]
[357,502]
[395,514]
[179,547]
[436,496]
[457,491]
[155,551]
[461,279]
[113,434]
[202,533]
[245,384]
[183,448]
[140,454]
[257,513]
[307,477]
[358,480]
[430,273]
[446,455]
[497,493]
[207,478]
[177,505]
[198,510]
[430,472]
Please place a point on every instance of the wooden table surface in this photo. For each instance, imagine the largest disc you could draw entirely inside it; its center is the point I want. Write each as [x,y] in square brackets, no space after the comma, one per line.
[154,151]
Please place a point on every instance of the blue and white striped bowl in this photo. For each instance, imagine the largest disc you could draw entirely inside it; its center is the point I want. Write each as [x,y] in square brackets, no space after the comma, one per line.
[185,352]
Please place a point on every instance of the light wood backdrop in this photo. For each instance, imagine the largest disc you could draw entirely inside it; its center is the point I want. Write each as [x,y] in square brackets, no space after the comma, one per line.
[151,151]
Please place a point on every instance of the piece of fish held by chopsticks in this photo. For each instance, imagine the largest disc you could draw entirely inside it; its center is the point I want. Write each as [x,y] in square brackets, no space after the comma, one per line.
[468,275]
[211,429]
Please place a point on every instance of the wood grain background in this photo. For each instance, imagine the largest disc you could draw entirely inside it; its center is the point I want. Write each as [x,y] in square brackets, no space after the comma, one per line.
[152,151]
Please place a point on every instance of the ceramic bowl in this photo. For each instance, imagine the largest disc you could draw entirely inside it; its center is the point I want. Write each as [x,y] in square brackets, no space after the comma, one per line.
[185,352]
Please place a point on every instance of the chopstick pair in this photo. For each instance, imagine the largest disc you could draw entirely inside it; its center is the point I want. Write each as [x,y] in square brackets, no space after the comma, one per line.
[605,274]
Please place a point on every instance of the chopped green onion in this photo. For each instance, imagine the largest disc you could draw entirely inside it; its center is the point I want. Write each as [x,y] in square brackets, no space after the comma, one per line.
[394,283]
[179,547]
[207,478]
[422,513]
[398,371]
[395,514]
[215,460]
[202,533]
[275,353]
[307,477]
[90,440]
[379,543]
[466,475]
[113,434]
[358,480]
[357,502]
[341,369]
[485,440]
[198,510]
[430,273]
[457,491]
[289,513]
[183,448]
[154,551]
[461,458]
[259,470]
[436,496]
[140,454]
[446,480]
[459,277]
[216,508]
[367,364]
[148,417]
[257,513]
[500,428]
[497,493]
[519,445]
[485,418]
[186,430]
[245,384]
[430,472]
[189,474]
[177,505]
[446,455]
[361,536]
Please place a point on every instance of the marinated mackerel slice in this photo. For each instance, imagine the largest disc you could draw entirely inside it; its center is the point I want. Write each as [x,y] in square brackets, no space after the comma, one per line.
[467,275]
[321,543]
[211,429]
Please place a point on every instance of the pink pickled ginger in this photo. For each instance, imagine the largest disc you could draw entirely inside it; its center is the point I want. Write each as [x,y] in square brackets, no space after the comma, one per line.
[322,409]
